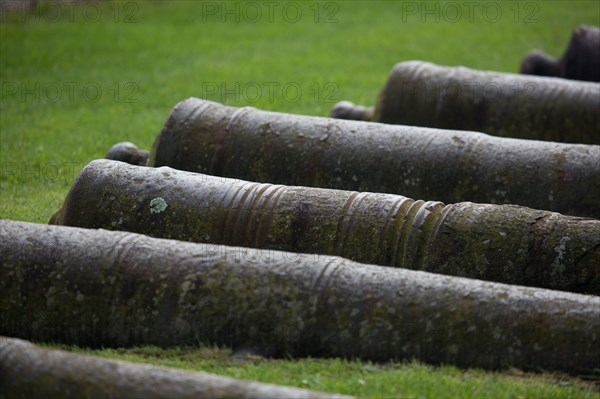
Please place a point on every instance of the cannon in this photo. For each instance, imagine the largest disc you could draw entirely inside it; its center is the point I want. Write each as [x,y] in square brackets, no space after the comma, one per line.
[501,104]
[107,288]
[581,60]
[28,371]
[504,243]
[442,165]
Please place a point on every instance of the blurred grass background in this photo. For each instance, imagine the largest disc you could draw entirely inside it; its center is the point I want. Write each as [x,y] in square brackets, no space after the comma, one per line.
[78,77]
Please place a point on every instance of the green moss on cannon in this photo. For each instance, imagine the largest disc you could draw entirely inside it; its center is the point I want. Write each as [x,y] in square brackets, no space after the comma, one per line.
[504,243]
[503,104]
[442,165]
[123,289]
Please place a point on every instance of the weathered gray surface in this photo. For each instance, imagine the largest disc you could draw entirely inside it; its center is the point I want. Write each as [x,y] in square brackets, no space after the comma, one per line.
[510,244]
[441,165]
[28,371]
[128,152]
[503,104]
[95,287]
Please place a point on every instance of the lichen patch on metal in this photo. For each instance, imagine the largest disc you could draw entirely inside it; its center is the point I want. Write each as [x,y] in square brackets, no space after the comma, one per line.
[158,205]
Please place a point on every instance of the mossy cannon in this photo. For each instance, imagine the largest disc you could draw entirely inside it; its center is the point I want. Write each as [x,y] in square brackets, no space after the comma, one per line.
[502,104]
[28,371]
[448,166]
[105,288]
[510,244]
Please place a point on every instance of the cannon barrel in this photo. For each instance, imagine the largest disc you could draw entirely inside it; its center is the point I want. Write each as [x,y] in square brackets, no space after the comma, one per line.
[28,371]
[511,244]
[442,165]
[502,104]
[105,288]
[580,61]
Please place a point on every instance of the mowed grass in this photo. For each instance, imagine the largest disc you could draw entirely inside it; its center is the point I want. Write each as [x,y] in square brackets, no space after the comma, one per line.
[363,379]
[76,79]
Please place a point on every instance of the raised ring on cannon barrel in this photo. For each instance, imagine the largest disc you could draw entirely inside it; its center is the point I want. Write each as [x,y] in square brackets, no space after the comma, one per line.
[443,165]
[105,288]
[504,243]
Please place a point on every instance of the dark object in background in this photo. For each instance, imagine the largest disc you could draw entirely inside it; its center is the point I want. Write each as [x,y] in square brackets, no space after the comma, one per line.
[419,93]
[109,288]
[581,60]
[128,152]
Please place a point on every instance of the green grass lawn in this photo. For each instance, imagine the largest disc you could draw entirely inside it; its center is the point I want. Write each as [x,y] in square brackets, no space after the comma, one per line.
[77,79]
[363,379]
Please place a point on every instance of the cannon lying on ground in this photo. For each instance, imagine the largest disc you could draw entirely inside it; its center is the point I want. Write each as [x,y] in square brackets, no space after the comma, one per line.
[502,104]
[449,166]
[580,61]
[104,288]
[27,371]
[510,244]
